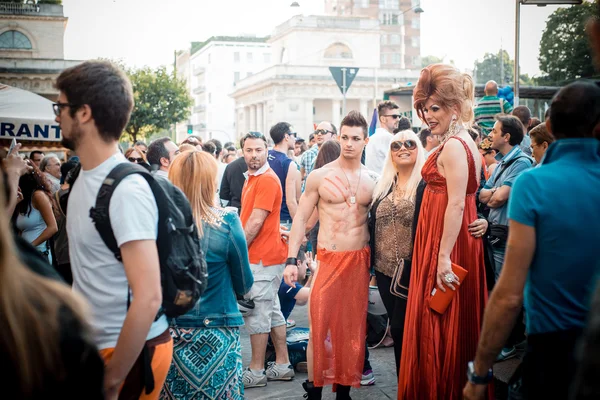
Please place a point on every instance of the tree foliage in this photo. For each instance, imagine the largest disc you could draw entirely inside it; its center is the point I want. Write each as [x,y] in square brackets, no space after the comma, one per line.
[428,60]
[161,100]
[565,53]
[490,68]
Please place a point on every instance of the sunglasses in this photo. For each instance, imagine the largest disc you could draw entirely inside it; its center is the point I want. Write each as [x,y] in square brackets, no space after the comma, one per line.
[56,107]
[322,132]
[135,160]
[408,145]
[395,116]
[292,134]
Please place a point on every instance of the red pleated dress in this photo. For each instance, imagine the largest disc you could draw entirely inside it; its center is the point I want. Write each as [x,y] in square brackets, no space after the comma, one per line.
[437,348]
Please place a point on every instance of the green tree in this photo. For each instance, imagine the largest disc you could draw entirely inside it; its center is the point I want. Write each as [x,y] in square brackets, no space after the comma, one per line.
[428,60]
[161,100]
[490,68]
[565,53]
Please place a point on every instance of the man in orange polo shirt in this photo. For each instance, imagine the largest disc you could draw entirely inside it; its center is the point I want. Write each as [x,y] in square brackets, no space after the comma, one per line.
[261,205]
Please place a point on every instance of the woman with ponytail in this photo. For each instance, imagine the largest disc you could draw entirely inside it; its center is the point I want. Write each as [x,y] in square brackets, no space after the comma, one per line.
[437,346]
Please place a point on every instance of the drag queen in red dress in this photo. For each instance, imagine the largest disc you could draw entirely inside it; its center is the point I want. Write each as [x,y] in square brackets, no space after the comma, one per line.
[437,347]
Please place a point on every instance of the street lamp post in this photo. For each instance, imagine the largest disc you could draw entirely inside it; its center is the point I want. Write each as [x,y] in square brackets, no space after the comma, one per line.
[539,3]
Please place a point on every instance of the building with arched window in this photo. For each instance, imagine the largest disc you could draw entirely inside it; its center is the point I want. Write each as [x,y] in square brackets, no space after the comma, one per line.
[31,46]
[299,88]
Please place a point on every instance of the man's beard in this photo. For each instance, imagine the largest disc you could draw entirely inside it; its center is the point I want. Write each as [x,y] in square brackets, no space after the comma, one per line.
[72,142]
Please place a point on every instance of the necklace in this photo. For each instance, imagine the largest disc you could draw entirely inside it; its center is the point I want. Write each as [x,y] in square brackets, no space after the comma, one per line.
[352,196]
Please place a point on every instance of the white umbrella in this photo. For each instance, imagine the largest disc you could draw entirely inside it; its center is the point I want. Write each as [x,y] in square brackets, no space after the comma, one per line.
[26,116]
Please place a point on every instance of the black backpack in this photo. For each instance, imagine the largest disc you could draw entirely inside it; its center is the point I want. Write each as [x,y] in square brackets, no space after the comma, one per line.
[183,267]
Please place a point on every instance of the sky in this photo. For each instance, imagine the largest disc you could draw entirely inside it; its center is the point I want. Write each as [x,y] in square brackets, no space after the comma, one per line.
[147,32]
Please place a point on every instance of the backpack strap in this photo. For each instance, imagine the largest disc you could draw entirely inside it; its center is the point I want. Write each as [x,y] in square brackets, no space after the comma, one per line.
[100,214]
[505,167]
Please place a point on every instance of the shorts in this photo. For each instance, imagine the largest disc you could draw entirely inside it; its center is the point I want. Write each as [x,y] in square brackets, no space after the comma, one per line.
[267,310]
[160,350]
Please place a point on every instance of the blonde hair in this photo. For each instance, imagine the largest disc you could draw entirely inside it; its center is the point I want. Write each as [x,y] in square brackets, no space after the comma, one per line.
[186,147]
[390,172]
[135,148]
[447,85]
[195,173]
[30,310]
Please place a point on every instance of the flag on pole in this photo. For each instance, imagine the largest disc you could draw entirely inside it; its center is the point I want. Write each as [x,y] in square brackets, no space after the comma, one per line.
[373,125]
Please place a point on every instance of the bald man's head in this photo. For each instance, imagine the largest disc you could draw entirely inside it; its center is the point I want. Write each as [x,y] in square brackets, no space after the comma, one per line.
[491,88]
[575,111]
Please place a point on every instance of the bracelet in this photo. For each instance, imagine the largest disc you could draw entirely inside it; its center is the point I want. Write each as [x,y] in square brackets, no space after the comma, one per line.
[291,261]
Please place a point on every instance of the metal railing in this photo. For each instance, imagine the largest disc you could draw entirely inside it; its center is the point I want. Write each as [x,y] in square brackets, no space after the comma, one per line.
[16,8]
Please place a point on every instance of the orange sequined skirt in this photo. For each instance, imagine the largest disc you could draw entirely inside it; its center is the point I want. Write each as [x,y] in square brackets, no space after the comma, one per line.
[338,316]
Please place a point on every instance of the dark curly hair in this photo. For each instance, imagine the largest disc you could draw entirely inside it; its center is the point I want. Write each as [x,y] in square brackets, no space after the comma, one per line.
[29,184]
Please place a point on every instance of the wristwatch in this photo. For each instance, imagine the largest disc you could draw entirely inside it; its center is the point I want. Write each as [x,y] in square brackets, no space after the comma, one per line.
[476,379]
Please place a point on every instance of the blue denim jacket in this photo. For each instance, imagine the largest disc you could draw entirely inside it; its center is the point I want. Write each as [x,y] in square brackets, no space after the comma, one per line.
[226,252]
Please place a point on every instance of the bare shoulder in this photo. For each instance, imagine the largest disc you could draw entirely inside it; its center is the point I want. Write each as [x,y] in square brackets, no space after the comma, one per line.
[371,176]
[314,178]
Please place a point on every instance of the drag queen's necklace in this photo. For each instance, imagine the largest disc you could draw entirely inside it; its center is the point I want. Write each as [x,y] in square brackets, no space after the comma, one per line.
[352,196]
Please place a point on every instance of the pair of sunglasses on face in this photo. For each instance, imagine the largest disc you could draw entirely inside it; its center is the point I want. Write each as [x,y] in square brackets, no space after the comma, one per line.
[135,160]
[408,145]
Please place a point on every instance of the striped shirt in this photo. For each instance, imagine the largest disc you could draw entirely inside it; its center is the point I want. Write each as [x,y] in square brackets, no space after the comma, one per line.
[487,108]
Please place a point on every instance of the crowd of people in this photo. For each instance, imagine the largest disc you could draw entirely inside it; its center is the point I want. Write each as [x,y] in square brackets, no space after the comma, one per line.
[479,230]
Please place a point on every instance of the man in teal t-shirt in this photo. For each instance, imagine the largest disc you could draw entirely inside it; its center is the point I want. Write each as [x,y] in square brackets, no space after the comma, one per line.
[552,254]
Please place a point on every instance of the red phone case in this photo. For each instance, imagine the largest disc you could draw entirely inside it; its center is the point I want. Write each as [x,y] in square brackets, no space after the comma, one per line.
[439,300]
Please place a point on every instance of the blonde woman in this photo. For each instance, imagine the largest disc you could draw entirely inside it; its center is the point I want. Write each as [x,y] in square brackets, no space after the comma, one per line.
[207,357]
[45,346]
[393,214]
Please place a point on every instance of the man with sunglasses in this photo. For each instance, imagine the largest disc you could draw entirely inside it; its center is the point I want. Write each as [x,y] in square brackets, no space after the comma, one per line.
[379,143]
[325,131]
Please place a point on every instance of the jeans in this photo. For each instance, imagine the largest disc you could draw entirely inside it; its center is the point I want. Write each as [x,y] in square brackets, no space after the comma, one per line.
[499,252]
[396,310]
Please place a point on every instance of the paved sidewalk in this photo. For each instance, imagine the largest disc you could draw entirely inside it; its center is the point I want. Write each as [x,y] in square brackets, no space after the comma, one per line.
[382,361]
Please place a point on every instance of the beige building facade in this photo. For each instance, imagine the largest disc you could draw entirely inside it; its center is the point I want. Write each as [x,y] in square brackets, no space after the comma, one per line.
[299,88]
[32,46]
[400,21]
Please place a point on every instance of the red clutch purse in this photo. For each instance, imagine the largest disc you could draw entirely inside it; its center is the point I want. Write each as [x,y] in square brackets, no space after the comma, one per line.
[439,300]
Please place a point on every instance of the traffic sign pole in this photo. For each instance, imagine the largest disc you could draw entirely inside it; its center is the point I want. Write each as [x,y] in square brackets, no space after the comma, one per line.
[345,89]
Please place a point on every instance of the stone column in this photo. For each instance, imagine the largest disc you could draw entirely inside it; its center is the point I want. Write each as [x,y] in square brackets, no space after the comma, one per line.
[253,117]
[335,113]
[247,127]
[260,119]
[364,109]
[309,118]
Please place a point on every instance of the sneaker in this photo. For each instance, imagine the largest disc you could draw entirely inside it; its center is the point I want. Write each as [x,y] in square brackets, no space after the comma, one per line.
[276,372]
[368,378]
[506,354]
[250,380]
[290,323]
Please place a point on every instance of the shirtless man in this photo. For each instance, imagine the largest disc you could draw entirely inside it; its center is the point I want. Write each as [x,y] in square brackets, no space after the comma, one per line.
[341,191]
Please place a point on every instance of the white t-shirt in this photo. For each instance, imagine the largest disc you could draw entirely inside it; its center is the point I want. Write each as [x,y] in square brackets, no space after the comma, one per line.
[377,150]
[97,274]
